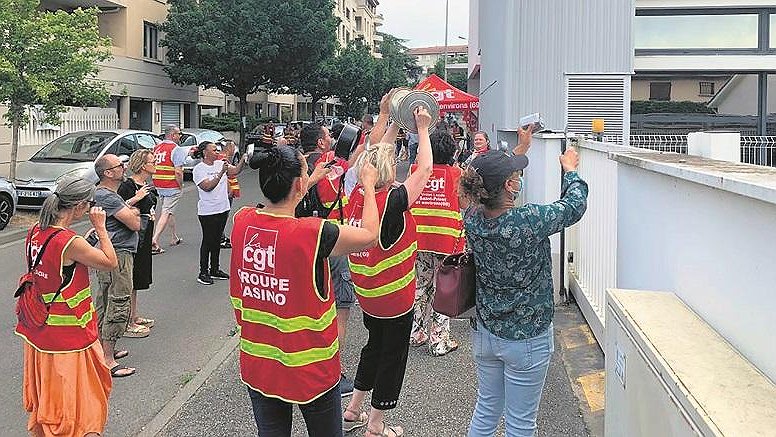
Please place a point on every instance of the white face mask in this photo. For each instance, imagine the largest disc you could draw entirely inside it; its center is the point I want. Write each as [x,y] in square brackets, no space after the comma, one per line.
[516,194]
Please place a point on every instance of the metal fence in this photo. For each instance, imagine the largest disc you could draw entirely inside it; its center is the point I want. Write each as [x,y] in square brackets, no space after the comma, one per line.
[758,150]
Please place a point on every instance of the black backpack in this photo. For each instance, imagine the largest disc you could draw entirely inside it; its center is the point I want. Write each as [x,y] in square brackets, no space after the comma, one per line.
[311,203]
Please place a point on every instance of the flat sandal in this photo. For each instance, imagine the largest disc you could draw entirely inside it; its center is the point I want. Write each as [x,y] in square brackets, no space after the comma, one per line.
[350,425]
[396,430]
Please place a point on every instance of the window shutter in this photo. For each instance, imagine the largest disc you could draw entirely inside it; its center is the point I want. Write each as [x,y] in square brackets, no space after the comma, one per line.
[598,96]
[171,114]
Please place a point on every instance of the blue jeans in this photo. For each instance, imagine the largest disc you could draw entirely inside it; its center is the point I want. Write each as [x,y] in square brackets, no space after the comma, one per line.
[413,152]
[510,373]
[322,416]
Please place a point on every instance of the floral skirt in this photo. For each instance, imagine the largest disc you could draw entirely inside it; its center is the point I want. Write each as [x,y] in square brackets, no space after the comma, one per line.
[66,394]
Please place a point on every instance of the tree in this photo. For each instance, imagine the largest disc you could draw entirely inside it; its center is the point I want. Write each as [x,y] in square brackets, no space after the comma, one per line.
[243,46]
[456,79]
[356,78]
[48,59]
[317,83]
[399,68]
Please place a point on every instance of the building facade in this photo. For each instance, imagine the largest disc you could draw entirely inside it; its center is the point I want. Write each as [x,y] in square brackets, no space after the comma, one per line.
[428,56]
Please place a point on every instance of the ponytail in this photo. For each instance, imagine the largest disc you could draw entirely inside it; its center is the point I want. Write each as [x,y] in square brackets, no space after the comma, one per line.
[70,192]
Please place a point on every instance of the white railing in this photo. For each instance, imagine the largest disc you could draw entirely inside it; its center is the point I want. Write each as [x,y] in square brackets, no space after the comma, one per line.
[37,133]
[593,241]
[758,150]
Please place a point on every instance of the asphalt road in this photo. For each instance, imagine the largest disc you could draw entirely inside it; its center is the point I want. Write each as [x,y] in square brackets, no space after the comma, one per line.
[192,323]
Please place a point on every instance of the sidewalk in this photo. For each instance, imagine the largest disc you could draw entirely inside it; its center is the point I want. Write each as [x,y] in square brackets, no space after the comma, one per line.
[437,399]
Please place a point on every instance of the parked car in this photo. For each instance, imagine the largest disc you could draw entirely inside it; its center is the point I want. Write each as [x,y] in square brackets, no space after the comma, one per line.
[73,154]
[191,138]
[8,202]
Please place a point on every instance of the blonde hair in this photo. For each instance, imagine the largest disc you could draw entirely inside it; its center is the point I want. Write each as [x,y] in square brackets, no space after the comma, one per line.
[383,157]
[138,159]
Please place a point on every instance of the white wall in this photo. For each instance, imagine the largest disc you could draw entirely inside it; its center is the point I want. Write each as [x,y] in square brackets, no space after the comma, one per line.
[714,248]
[528,46]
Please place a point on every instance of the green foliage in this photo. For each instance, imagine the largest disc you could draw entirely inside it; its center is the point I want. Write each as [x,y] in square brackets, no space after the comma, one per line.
[243,46]
[456,79]
[48,59]
[398,67]
[667,107]
[356,78]
[231,122]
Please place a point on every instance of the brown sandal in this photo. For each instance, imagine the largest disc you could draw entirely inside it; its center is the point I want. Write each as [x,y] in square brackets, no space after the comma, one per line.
[396,430]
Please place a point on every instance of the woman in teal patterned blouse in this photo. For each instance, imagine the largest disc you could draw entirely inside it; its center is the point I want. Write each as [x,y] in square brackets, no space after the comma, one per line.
[512,338]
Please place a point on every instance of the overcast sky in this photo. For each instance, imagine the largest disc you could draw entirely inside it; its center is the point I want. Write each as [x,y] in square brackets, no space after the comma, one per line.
[422,22]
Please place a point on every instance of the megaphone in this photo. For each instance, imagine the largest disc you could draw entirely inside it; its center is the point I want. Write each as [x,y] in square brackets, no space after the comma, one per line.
[403,104]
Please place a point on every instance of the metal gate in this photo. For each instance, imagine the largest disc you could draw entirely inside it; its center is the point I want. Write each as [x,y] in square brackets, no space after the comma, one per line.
[171,114]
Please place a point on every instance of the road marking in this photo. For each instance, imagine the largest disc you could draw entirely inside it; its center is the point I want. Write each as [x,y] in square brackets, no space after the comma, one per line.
[593,387]
[577,336]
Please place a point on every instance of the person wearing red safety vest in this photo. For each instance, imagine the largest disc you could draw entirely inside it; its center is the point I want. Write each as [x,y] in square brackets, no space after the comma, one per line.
[281,291]
[439,227]
[66,380]
[168,180]
[384,276]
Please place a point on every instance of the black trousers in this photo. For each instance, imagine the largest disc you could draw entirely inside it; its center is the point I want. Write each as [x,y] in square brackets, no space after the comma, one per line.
[384,359]
[322,416]
[210,249]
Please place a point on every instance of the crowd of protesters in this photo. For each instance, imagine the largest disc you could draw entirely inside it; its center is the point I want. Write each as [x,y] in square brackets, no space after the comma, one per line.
[373,241]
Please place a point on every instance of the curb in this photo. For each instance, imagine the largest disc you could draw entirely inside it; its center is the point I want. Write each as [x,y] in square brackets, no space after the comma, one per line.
[155,426]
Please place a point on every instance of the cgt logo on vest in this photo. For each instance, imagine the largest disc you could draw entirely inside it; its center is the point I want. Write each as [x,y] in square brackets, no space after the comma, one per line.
[259,251]
[437,181]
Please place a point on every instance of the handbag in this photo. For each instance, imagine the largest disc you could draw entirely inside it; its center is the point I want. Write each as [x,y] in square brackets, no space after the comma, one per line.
[31,310]
[455,283]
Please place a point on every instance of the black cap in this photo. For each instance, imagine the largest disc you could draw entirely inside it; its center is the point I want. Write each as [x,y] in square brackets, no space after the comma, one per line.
[495,167]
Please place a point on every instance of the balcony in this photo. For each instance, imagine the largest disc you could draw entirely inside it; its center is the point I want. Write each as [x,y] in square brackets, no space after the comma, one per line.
[378,37]
[379,20]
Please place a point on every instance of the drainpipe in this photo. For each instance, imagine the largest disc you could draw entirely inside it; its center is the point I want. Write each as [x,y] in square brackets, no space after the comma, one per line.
[563,291]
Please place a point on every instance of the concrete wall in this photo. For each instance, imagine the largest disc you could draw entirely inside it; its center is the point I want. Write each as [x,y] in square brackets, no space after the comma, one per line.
[528,47]
[701,229]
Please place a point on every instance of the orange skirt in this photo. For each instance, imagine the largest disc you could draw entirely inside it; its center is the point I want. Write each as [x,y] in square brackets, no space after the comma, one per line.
[66,394]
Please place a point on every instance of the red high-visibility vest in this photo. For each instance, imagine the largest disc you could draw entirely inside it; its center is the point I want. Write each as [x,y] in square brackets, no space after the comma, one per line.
[165,169]
[384,278]
[330,184]
[72,322]
[234,186]
[437,212]
[288,338]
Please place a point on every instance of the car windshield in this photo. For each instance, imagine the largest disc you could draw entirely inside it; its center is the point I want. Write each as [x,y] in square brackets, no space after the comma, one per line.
[191,140]
[76,146]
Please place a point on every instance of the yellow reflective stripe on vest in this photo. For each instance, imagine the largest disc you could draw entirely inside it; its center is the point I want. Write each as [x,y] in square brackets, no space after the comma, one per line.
[329,204]
[72,302]
[60,320]
[456,215]
[424,229]
[289,359]
[163,177]
[387,288]
[384,264]
[165,167]
[293,324]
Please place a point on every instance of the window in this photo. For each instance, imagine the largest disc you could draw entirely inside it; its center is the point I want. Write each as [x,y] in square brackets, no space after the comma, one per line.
[146,141]
[671,32]
[706,88]
[150,41]
[660,91]
[125,146]
[358,24]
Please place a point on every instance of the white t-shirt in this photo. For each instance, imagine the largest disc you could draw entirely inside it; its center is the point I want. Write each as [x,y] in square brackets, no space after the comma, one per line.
[215,201]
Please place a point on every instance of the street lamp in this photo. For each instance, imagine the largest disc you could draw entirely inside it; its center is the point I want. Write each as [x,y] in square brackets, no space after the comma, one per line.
[447,9]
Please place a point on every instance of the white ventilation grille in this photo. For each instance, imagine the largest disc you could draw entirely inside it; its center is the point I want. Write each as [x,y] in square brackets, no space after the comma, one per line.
[604,96]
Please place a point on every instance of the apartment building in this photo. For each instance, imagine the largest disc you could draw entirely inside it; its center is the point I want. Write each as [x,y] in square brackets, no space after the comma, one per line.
[141,92]
[428,56]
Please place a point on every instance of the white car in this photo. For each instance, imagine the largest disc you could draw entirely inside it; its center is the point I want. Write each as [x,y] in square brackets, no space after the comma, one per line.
[73,154]
[8,202]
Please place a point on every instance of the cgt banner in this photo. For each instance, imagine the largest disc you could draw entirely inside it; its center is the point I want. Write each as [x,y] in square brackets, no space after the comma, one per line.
[450,98]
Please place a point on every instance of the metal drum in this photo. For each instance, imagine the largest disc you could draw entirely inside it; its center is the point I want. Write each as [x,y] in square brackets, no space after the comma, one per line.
[403,104]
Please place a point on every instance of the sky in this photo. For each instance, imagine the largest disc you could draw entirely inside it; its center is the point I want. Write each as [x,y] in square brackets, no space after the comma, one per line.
[422,22]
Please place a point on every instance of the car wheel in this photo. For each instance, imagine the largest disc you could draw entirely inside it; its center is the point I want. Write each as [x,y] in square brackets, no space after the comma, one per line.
[6,210]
